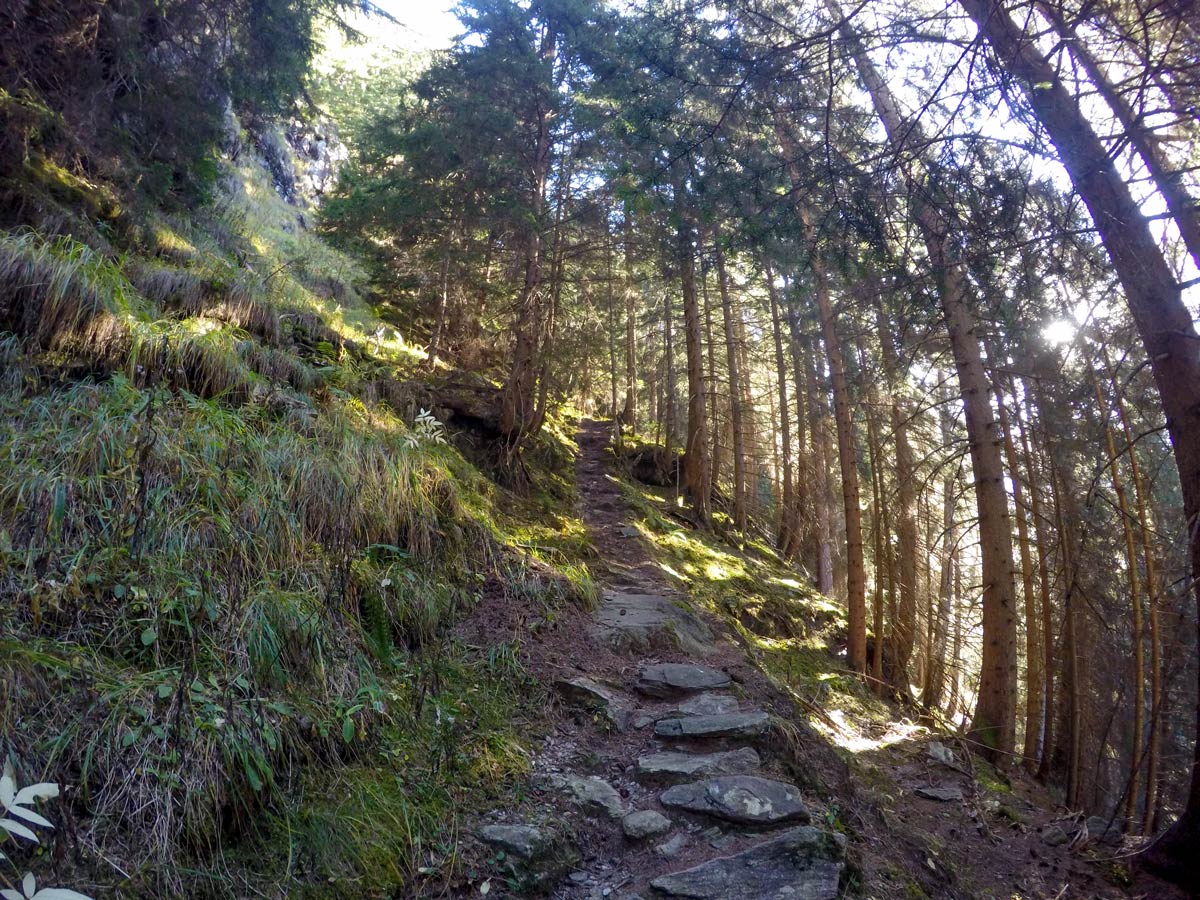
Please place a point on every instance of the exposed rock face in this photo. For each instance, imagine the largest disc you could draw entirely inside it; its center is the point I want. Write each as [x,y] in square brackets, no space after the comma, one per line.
[680,679]
[740,724]
[800,864]
[680,766]
[645,823]
[640,622]
[742,799]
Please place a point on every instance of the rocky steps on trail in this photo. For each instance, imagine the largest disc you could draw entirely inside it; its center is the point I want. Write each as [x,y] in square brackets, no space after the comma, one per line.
[659,783]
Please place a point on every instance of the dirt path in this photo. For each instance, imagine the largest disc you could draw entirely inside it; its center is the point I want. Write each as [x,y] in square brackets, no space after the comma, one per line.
[680,771]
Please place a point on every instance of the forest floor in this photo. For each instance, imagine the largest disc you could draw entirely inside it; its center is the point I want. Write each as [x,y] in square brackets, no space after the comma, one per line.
[833,756]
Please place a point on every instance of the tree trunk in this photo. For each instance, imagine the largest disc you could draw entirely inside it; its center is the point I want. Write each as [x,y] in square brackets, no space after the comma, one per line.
[669,355]
[629,414]
[517,406]
[819,427]
[713,382]
[696,470]
[1033,673]
[1042,540]
[1135,602]
[993,725]
[736,408]
[906,498]
[787,503]
[856,583]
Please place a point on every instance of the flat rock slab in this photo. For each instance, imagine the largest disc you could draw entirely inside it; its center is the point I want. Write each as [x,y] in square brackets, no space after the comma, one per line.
[800,864]
[739,724]
[641,622]
[742,799]
[679,766]
[944,794]
[593,794]
[594,695]
[680,679]
[706,704]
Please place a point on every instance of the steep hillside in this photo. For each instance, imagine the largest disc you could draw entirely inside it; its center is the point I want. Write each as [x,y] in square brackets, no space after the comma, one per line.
[235,546]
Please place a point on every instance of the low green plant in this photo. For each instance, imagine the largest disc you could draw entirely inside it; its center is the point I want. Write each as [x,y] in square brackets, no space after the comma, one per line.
[17,821]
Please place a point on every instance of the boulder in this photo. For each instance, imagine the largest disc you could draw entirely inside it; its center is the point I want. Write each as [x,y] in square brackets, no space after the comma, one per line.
[593,794]
[741,799]
[645,823]
[522,841]
[800,864]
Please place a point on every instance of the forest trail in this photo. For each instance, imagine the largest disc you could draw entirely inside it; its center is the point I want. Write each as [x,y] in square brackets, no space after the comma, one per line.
[678,770]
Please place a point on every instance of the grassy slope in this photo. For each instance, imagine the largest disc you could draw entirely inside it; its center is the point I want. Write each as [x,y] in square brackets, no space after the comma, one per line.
[229,570]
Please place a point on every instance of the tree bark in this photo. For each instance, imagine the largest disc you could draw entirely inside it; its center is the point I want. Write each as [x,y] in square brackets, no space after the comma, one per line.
[1033,674]
[696,469]
[629,414]
[736,408]
[784,526]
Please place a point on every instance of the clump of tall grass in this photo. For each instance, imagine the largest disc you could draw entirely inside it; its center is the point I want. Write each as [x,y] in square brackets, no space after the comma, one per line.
[209,564]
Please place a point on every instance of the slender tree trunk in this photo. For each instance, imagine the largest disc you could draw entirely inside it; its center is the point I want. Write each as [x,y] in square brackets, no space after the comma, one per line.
[696,468]
[823,453]
[1033,675]
[629,415]
[736,407]
[443,302]
[993,725]
[804,479]
[906,498]
[517,406]
[1041,538]
[935,683]
[715,418]
[1162,319]
[856,600]
[669,427]
[879,538]
[1135,601]
[784,531]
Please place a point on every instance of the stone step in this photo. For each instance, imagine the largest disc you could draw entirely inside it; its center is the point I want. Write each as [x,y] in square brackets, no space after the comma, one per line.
[643,622]
[740,799]
[801,864]
[724,725]
[682,766]
[680,679]
[706,704]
